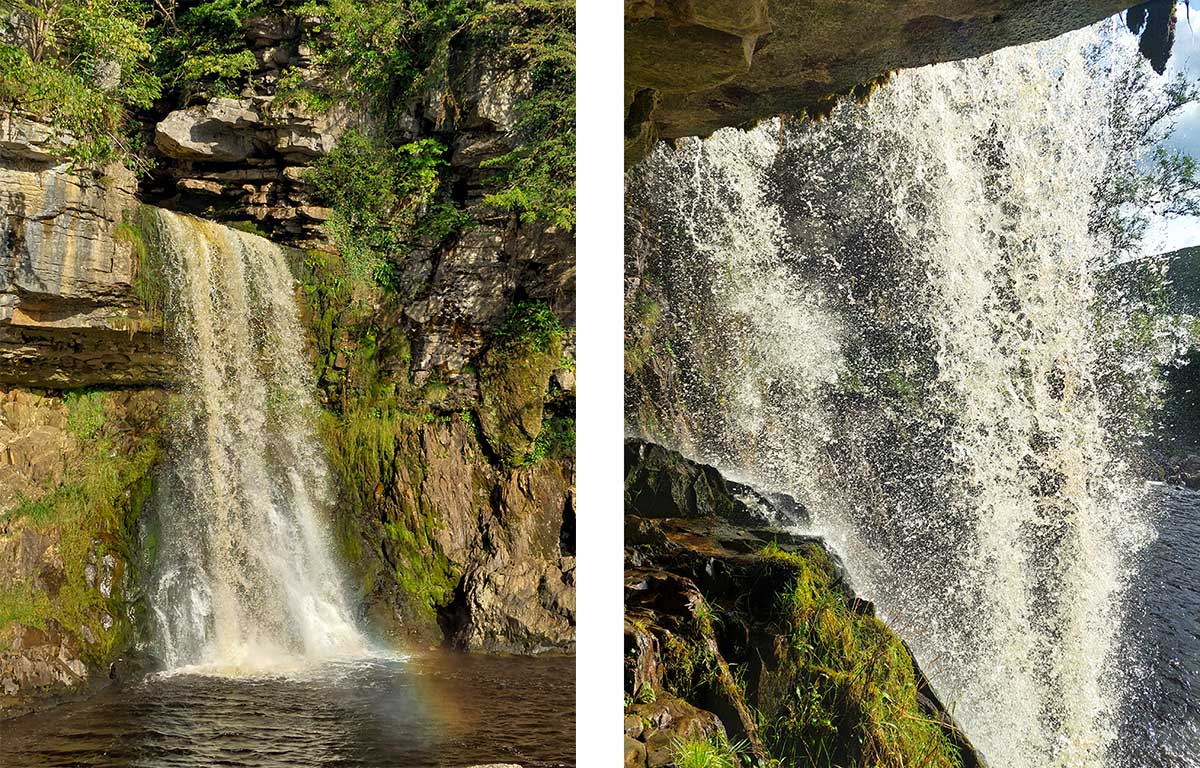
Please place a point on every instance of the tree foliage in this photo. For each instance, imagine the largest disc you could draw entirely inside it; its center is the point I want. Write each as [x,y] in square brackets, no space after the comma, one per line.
[537,178]
[1149,178]
[83,66]
[384,55]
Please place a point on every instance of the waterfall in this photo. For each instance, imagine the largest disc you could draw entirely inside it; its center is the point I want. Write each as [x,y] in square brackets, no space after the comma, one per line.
[892,315]
[244,578]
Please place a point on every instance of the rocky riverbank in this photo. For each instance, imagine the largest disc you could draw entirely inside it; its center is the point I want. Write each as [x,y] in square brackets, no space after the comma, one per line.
[746,642]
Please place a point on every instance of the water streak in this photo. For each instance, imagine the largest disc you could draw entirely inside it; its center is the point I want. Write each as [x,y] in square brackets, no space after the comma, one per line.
[244,577]
[892,316]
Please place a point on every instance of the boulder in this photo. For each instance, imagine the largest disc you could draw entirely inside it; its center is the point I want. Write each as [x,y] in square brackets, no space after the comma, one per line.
[222,131]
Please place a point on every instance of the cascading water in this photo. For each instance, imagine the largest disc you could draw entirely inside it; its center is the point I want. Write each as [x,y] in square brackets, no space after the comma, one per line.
[244,578]
[893,316]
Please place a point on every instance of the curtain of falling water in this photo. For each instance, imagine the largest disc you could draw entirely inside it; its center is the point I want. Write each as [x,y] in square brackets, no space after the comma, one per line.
[891,315]
[244,577]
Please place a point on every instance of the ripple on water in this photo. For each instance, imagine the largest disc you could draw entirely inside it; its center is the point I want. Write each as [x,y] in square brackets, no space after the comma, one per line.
[1161,649]
[427,711]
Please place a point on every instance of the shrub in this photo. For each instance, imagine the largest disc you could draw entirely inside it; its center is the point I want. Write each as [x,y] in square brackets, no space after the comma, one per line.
[202,51]
[378,193]
[82,66]
[713,752]
[536,179]
[529,326]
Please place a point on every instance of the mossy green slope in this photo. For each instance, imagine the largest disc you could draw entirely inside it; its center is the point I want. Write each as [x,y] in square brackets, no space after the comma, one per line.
[761,629]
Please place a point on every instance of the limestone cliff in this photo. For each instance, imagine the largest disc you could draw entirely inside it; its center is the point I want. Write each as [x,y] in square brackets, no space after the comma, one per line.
[70,314]
[692,68]
[449,422]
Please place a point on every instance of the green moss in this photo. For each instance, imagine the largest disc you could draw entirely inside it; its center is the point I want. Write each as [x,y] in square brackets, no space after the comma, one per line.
[642,316]
[835,686]
[842,687]
[435,392]
[249,227]
[375,453]
[85,413]
[555,441]
[512,393]
[25,605]
[95,510]
[139,229]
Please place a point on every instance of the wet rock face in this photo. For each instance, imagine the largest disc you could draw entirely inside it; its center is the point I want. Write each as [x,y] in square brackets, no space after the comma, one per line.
[505,539]
[710,636]
[692,68]
[69,312]
[39,662]
[454,298]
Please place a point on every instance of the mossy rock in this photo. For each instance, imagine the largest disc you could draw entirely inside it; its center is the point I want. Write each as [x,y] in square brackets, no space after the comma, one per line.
[512,394]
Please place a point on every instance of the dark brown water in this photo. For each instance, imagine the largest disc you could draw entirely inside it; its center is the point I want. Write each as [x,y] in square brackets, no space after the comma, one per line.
[432,710]
[1160,658]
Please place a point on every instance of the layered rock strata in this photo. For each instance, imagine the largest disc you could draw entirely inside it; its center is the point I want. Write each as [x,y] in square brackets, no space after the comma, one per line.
[692,68]
[70,314]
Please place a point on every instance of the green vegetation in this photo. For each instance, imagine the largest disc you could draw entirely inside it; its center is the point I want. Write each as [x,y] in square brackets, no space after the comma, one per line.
[537,178]
[836,686]
[383,201]
[555,441]
[843,686]
[22,604]
[93,511]
[712,752]
[83,66]
[530,326]
[376,455]
[380,55]
[139,228]
[85,413]
[525,351]
[87,66]
[199,48]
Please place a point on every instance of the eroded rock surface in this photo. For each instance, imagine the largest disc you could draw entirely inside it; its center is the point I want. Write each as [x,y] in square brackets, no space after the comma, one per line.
[692,68]
[494,548]
[72,482]
[69,311]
